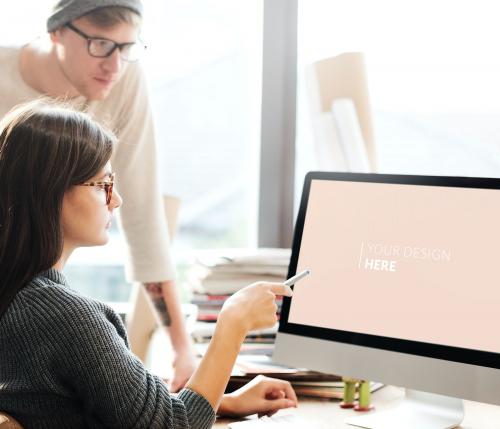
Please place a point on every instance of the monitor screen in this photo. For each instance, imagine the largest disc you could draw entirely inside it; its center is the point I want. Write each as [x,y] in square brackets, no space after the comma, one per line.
[400,263]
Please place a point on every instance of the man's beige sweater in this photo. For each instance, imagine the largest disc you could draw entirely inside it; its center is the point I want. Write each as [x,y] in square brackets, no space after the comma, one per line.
[127,112]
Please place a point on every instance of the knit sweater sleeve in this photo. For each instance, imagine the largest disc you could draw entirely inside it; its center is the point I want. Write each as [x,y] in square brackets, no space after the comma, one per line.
[94,362]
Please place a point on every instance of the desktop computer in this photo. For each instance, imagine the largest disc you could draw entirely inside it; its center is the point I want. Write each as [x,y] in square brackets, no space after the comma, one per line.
[404,289]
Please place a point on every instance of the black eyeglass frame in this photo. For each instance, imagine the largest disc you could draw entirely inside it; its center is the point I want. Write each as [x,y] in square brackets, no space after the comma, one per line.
[119,46]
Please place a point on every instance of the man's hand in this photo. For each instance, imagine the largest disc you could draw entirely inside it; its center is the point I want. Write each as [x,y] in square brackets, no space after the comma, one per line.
[262,395]
[184,365]
[163,296]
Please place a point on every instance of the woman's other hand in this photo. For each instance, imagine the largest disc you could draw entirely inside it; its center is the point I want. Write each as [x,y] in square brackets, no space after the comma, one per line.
[262,395]
[253,307]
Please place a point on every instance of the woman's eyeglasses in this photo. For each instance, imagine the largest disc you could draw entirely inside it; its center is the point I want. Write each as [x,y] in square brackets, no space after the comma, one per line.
[106,185]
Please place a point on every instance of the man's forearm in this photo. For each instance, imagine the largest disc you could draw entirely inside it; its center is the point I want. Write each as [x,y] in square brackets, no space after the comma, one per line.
[155,293]
[168,311]
[169,315]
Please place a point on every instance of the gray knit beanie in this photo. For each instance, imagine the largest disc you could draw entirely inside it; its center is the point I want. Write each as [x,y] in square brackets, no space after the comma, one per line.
[65,11]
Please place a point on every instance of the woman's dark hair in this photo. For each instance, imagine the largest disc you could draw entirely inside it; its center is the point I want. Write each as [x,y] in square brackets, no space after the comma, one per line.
[45,149]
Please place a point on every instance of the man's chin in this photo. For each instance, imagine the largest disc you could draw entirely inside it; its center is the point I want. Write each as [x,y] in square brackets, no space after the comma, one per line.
[97,94]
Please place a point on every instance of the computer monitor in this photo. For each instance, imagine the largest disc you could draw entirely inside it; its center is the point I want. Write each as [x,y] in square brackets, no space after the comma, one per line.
[404,289]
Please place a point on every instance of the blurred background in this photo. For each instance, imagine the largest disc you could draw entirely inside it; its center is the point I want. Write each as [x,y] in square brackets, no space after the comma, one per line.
[432,72]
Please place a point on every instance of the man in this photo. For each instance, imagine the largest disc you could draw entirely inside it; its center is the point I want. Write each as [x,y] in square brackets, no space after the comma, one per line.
[90,58]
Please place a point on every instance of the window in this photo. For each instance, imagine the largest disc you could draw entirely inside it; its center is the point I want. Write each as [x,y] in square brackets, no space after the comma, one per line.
[204,67]
[433,75]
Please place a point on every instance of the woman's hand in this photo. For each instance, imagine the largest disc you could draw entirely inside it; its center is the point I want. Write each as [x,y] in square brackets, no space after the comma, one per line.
[253,307]
[262,395]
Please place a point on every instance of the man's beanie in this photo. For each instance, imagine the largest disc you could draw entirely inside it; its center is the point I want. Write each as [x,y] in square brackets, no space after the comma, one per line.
[65,11]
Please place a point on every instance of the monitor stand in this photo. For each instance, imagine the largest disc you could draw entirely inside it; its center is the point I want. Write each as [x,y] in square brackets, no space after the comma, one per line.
[418,410]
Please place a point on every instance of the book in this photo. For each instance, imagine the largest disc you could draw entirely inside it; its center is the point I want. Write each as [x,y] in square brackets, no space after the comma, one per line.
[255,359]
[222,272]
[244,257]
[224,284]
[203,331]
[328,392]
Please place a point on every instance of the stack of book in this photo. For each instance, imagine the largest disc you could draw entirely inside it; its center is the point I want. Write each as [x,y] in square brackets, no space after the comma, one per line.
[305,382]
[223,273]
[202,332]
[216,275]
[208,306]
[255,359]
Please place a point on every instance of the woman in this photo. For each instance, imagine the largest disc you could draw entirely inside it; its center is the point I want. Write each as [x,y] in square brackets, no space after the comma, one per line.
[64,358]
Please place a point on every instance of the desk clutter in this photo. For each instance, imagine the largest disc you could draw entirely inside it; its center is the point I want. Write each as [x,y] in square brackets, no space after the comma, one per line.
[288,421]
[254,360]
[306,383]
[213,277]
[218,273]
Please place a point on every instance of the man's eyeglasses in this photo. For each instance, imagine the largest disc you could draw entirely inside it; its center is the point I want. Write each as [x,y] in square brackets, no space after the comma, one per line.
[106,185]
[102,48]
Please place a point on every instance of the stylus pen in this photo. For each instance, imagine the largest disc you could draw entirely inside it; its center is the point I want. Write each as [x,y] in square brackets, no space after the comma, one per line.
[292,280]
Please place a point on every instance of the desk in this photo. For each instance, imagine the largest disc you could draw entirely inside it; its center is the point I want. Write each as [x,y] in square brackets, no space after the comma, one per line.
[477,416]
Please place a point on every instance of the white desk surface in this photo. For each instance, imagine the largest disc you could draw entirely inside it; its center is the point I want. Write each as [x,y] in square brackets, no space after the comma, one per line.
[477,415]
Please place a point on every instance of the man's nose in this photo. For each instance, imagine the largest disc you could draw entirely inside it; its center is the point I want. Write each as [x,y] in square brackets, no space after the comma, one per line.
[113,63]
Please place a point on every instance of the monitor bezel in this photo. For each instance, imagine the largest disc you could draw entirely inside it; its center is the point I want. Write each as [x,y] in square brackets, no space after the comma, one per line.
[437,351]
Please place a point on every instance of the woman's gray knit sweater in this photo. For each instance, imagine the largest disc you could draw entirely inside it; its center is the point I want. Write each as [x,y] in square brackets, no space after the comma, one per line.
[65,363]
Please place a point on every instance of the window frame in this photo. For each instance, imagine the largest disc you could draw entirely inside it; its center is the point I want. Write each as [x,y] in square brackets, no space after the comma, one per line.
[278,125]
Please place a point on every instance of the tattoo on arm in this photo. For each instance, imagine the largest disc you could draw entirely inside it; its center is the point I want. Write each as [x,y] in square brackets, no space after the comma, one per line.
[155,293]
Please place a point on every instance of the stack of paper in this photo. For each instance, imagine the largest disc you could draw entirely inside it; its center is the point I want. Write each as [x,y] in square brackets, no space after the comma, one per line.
[216,275]
[225,272]
[305,382]
[202,332]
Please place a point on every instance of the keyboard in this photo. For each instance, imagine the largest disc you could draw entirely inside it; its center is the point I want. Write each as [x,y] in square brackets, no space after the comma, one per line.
[287,421]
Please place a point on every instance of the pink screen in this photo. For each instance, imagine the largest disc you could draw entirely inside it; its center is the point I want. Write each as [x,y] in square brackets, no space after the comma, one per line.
[420,263]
